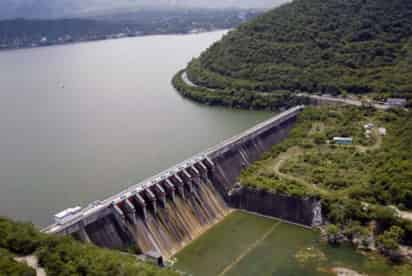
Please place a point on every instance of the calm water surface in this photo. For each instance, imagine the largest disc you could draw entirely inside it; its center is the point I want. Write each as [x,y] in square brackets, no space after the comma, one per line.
[246,245]
[81,122]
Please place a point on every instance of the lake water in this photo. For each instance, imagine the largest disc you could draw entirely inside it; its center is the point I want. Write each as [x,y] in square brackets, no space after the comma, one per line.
[81,122]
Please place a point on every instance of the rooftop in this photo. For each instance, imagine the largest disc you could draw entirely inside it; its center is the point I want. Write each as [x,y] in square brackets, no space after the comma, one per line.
[69,211]
[396,101]
[342,138]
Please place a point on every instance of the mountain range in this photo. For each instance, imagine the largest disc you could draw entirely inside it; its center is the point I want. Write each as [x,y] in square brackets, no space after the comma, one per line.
[69,8]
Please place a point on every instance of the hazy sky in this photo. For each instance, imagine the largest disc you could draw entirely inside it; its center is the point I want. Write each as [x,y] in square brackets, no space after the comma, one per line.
[58,8]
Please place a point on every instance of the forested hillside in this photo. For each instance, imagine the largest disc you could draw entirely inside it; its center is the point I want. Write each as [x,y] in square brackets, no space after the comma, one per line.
[316,46]
[65,256]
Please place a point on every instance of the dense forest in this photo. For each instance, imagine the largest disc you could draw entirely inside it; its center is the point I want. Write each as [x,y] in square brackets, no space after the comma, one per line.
[236,98]
[368,181]
[316,46]
[64,256]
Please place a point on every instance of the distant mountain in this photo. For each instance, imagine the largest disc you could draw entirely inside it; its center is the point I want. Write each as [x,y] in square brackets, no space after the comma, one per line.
[315,46]
[19,33]
[66,8]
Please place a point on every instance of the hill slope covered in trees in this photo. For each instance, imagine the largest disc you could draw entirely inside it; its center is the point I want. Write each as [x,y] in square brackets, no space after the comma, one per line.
[65,256]
[315,46]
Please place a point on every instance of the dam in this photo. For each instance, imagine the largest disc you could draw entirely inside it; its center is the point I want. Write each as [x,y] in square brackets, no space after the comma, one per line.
[163,213]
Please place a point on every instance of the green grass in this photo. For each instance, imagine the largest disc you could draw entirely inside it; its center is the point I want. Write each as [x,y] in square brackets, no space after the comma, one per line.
[287,250]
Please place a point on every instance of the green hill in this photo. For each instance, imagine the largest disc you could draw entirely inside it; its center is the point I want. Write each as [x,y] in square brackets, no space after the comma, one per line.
[64,256]
[314,46]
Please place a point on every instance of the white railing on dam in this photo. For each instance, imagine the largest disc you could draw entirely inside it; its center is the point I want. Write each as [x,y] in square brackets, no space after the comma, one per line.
[100,206]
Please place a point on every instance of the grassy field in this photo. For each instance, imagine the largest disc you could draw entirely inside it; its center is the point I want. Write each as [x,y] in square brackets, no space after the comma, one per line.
[245,244]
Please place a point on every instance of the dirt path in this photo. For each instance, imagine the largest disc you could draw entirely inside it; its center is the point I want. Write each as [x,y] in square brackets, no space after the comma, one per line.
[402,214]
[283,158]
[249,249]
[294,152]
[405,215]
[33,262]
[317,127]
[375,146]
[340,271]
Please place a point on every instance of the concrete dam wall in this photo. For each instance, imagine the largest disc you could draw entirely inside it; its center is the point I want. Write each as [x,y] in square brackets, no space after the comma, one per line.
[162,214]
[303,211]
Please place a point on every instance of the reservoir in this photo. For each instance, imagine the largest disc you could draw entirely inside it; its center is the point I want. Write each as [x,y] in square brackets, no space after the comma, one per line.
[81,122]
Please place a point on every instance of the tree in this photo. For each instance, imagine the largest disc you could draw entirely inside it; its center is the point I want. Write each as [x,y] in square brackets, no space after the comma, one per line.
[333,233]
[389,241]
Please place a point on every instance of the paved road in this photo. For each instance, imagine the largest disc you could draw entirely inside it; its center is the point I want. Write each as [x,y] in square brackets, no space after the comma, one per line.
[189,82]
[341,100]
[324,98]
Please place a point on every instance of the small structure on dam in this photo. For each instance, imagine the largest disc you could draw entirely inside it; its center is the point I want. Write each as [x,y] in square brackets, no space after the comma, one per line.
[162,214]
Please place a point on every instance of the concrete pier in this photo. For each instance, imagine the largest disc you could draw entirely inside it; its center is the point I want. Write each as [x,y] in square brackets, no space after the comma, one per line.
[189,186]
[140,204]
[120,219]
[160,194]
[170,188]
[178,182]
[83,234]
[151,198]
[130,211]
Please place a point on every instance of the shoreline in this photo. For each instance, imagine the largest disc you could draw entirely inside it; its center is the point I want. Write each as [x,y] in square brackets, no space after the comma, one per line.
[11,49]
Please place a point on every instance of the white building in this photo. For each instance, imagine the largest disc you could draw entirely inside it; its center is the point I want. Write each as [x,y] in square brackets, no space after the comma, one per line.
[66,215]
[395,102]
[343,140]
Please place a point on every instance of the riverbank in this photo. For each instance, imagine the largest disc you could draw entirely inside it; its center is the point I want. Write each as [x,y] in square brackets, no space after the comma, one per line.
[195,91]
[114,37]
[239,99]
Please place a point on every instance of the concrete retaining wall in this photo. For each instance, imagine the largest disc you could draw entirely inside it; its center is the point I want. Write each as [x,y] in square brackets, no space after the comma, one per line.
[292,209]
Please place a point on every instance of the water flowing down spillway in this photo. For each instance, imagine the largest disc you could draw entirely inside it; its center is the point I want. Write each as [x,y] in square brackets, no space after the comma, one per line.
[177,222]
